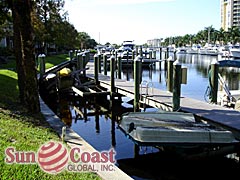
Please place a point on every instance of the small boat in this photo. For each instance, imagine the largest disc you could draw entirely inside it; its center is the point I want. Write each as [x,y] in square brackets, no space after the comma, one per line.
[171,128]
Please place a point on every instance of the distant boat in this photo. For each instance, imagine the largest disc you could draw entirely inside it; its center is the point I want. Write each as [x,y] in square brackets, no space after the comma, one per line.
[126,52]
[194,49]
[181,50]
[235,51]
[172,128]
[209,49]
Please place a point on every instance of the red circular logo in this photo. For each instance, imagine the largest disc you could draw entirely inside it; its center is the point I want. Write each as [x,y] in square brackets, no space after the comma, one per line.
[52,157]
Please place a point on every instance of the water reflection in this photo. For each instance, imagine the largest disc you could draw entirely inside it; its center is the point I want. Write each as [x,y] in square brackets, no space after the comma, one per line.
[197,75]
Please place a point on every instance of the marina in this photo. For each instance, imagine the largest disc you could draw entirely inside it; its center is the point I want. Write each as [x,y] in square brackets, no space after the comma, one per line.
[93,114]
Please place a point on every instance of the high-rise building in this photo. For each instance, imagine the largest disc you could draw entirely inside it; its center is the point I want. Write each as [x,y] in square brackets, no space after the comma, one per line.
[230,14]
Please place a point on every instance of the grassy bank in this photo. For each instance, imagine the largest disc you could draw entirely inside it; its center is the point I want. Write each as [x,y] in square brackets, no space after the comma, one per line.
[24,131]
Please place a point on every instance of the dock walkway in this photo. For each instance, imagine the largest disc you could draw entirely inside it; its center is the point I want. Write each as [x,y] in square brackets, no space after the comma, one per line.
[157,98]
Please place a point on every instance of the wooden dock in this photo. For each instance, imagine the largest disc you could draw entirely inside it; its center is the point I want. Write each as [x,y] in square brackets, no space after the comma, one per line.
[216,114]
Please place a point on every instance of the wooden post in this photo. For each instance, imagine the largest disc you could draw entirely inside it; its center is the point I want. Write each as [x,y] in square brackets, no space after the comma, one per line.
[119,67]
[176,85]
[112,70]
[99,63]
[154,54]
[76,52]
[160,51]
[137,65]
[96,68]
[83,63]
[136,50]
[170,74]
[105,64]
[133,55]
[127,57]
[79,55]
[141,51]
[71,55]
[42,64]
[87,53]
[175,55]
[214,80]
[150,54]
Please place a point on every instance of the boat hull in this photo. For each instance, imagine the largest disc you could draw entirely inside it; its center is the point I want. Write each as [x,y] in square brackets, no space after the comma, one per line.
[172,128]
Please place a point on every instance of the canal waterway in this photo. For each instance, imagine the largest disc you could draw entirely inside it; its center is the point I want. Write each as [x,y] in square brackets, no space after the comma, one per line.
[98,126]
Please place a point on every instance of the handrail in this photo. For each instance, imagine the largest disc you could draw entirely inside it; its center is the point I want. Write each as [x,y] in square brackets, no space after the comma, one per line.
[147,86]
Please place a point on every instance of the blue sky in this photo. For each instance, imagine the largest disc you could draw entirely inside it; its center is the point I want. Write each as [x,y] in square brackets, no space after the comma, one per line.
[117,20]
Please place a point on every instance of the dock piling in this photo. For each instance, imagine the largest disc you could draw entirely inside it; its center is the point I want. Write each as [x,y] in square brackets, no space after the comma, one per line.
[83,63]
[99,62]
[137,65]
[71,55]
[170,74]
[160,51]
[79,59]
[119,67]
[41,59]
[96,68]
[214,80]
[112,70]
[105,64]
[176,85]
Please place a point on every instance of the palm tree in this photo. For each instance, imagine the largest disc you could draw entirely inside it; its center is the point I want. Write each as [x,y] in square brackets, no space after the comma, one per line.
[208,32]
[234,35]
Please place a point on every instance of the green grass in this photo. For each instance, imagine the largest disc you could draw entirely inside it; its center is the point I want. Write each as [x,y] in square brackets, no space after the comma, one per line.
[24,131]
[55,60]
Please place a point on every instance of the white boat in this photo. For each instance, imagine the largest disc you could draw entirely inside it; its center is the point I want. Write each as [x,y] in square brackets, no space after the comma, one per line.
[235,51]
[158,128]
[194,49]
[126,52]
[209,49]
[224,52]
[181,50]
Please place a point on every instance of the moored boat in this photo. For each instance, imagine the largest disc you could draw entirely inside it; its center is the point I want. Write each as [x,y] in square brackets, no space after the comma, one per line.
[175,128]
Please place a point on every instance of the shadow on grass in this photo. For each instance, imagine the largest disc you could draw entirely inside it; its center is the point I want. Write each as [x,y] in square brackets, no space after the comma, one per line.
[9,88]
[9,93]
[10,104]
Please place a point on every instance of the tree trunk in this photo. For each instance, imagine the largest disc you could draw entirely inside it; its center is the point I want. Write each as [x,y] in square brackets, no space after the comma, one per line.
[24,52]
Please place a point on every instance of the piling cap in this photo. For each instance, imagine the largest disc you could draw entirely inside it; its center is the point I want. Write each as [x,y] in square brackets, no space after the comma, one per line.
[177,63]
[112,57]
[41,55]
[170,58]
[96,55]
[79,54]
[138,58]
[214,62]
[83,54]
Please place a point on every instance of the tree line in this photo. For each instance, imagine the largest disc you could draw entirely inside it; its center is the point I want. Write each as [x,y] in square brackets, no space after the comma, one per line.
[36,26]
[51,28]
[208,35]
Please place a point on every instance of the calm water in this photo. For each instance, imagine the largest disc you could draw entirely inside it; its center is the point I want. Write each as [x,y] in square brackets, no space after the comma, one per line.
[102,133]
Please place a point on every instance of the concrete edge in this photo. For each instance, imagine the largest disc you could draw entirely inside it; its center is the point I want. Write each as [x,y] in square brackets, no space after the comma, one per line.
[74,140]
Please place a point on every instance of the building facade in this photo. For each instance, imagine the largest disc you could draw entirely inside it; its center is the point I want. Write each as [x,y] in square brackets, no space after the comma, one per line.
[230,14]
